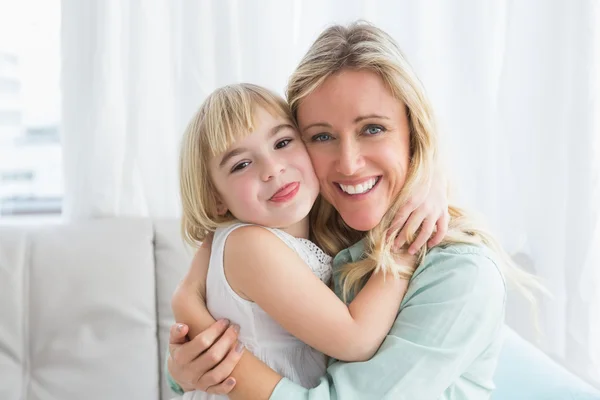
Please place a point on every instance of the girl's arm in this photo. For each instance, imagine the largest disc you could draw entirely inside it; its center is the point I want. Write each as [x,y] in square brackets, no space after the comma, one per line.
[425,212]
[186,363]
[263,269]
[453,312]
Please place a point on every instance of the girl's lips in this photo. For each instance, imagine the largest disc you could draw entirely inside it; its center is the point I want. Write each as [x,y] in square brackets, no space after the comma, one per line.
[286,193]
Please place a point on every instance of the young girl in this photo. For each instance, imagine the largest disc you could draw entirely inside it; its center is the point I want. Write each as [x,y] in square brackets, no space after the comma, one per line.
[246,176]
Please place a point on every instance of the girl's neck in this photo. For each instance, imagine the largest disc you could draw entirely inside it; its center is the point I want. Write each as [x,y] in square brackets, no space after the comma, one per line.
[300,229]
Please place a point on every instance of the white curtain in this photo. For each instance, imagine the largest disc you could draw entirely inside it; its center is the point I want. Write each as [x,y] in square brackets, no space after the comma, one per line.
[515,84]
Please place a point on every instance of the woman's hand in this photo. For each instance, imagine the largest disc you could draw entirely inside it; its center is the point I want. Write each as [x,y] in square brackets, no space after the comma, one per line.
[205,362]
[427,208]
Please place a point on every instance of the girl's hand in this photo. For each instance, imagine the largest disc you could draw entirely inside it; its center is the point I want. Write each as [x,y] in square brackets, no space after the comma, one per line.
[427,208]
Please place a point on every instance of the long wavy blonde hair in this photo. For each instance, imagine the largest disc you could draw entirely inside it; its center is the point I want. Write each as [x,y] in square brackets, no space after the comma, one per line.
[226,115]
[361,46]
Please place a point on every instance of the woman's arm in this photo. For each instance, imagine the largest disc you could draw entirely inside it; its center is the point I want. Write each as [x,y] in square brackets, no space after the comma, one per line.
[194,332]
[451,314]
[262,268]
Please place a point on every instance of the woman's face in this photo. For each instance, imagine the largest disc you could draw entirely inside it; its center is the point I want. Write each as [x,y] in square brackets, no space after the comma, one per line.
[357,135]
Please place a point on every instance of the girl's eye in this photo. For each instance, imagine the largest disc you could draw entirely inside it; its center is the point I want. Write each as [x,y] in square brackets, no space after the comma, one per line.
[320,137]
[240,166]
[373,129]
[282,143]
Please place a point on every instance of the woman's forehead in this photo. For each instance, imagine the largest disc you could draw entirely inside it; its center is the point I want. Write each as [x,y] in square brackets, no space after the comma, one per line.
[348,96]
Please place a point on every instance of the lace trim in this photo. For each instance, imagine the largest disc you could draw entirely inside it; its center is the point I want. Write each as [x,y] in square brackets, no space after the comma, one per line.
[322,267]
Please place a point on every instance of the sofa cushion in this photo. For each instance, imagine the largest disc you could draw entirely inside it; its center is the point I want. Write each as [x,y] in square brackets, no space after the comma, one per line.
[13,259]
[88,313]
[172,258]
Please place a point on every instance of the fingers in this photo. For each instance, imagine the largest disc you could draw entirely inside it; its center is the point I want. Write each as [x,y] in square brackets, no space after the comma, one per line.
[185,353]
[177,337]
[442,229]
[222,388]
[217,379]
[208,338]
[400,221]
[177,334]
[214,356]
[411,226]
[426,230]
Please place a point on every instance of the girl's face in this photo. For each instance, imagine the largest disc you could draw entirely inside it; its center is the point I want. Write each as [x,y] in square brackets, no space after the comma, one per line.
[358,137]
[267,178]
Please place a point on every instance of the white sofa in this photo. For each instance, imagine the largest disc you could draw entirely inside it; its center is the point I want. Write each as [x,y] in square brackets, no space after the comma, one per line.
[85,313]
[85,309]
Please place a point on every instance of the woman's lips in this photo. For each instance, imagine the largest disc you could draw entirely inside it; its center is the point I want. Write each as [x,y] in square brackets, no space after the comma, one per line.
[359,196]
[286,193]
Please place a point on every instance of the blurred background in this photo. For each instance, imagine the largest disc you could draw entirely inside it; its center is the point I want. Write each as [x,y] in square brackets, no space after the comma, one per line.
[94,97]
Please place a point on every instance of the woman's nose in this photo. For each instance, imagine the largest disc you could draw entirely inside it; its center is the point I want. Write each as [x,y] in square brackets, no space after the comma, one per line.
[350,159]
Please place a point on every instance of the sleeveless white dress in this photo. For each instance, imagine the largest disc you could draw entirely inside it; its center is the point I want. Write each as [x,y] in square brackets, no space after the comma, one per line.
[262,335]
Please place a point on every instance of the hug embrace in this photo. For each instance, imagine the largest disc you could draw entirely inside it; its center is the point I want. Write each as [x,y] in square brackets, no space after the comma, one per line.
[332,265]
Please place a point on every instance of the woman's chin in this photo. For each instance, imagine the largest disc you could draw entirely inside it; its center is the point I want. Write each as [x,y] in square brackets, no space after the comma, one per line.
[363,221]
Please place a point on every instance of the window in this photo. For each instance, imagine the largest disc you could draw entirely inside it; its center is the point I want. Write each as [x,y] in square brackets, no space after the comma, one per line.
[30,152]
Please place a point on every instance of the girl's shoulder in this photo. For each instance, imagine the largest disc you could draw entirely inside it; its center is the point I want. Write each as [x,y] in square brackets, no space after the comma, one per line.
[245,234]
[247,237]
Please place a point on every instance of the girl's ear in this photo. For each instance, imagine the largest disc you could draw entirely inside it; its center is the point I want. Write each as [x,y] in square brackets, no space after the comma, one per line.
[221,207]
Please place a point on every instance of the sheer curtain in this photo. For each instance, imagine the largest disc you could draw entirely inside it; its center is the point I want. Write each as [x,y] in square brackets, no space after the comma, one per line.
[515,85]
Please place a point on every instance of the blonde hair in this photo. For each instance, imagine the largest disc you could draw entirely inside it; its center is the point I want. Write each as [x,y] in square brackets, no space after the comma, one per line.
[361,46]
[226,116]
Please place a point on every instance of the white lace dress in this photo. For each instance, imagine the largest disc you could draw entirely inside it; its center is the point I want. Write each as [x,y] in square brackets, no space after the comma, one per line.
[262,335]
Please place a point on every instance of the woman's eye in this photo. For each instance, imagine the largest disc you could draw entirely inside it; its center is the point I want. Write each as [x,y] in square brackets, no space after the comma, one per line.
[373,129]
[282,143]
[320,137]
[240,166]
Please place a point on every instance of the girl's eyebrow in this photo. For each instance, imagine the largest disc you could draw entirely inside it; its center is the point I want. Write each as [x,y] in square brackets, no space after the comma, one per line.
[230,154]
[239,150]
[278,128]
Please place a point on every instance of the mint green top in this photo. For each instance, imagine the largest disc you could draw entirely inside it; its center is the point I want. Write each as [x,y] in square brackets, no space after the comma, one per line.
[444,343]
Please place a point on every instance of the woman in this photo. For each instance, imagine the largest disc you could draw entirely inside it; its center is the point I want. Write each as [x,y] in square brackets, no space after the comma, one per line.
[446,338]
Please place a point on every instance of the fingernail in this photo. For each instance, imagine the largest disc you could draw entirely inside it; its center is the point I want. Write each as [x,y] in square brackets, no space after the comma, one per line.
[236,328]
[230,381]
[179,327]
[239,347]
[225,322]
[411,252]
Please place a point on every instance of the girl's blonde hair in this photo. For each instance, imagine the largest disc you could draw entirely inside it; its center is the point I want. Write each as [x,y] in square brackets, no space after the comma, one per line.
[226,116]
[361,46]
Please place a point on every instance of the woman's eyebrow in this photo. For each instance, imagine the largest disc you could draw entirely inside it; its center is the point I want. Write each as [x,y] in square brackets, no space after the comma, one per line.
[356,121]
[363,117]
[319,124]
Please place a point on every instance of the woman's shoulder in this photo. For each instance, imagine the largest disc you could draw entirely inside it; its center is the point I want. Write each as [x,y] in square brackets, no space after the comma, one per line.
[460,269]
